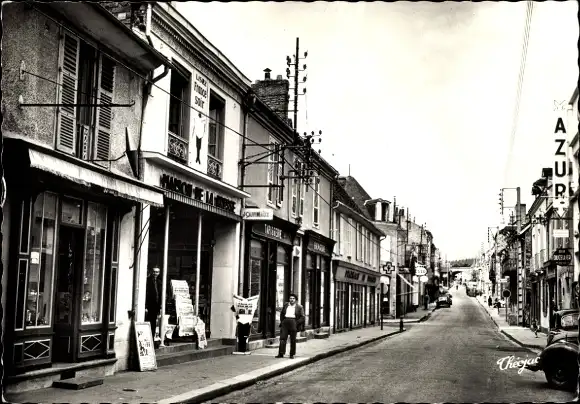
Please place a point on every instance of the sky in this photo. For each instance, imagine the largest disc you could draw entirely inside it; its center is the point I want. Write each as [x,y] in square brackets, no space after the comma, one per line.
[416,99]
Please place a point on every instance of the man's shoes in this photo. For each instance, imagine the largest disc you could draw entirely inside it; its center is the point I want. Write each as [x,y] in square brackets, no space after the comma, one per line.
[279,356]
[291,356]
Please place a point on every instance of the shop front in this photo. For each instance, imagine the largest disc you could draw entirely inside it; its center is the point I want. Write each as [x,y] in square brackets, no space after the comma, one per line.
[269,271]
[357,296]
[316,254]
[194,241]
[69,244]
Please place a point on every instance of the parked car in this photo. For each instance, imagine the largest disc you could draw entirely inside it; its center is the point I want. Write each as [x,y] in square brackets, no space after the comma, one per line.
[558,360]
[444,300]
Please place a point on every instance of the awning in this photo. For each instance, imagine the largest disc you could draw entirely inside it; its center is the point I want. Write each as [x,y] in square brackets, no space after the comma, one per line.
[406,281]
[201,205]
[88,177]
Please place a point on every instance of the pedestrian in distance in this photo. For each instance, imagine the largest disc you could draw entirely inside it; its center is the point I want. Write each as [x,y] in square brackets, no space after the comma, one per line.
[153,299]
[489,301]
[291,321]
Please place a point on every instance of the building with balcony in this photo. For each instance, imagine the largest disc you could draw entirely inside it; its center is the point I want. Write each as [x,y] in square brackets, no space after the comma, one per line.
[356,264]
[72,117]
[190,149]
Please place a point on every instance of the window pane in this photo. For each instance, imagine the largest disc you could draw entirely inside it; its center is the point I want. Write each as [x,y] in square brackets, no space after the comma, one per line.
[322,297]
[40,276]
[93,275]
[255,279]
[72,211]
[282,256]
[280,271]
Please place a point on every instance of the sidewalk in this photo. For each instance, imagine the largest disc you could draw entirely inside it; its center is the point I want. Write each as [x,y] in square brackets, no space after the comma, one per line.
[205,379]
[413,317]
[521,335]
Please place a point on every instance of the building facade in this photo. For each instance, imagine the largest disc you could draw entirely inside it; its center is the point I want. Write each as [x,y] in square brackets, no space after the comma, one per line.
[356,265]
[573,209]
[190,149]
[69,218]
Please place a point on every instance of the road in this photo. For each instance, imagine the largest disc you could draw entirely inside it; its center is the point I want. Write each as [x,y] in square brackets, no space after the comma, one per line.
[450,358]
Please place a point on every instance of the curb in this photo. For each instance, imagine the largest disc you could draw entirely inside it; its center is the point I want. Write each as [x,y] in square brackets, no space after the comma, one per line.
[412,321]
[505,333]
[238,383]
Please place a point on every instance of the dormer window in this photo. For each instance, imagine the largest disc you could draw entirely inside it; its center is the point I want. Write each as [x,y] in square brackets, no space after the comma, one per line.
[384,211]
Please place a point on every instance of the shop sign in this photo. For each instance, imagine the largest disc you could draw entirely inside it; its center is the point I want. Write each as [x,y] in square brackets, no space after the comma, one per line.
[562,256]
[317,247]
[271,232]
[560,178]
[199,194]
[352,276]
[420,270]
[258,214]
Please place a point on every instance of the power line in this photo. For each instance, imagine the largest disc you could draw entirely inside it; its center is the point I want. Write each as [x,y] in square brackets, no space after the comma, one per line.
[521,74]
[200,113]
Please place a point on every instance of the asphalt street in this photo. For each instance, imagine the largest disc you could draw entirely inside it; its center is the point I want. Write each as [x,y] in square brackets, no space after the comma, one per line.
[452,357]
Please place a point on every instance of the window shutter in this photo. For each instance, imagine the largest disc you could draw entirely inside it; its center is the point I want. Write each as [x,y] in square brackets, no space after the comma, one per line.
[66,123]
[105,90]
[343,235]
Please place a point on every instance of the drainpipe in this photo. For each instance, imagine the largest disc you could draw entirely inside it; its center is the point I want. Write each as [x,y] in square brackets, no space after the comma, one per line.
[333,272]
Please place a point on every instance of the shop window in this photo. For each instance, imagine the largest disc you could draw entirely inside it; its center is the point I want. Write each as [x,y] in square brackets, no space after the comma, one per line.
[72,211]
[257,255]
[25,226]
[282,264]
[215,145]
[39,290]
[324,290]
[372,304]
[309,292]
[87,77]
[93,275]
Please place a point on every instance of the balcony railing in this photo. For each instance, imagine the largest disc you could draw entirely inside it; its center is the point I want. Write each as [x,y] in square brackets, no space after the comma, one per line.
[177,148]
[214,167]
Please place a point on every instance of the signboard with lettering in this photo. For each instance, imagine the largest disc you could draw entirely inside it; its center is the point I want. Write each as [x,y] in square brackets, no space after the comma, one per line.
[318,247]
[273,232]
[198,193]
[144,346]
[257,214]
[560,179]
[349,275]
[562,256]
[420,270]
[198,141]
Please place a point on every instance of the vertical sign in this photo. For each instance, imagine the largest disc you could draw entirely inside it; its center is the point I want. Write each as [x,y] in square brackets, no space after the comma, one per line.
[200,123]
[560,176]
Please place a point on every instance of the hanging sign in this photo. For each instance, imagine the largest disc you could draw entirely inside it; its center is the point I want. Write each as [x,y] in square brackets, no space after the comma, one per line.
[562,256]
[388,267]
[560,192]
[257,214]
[144,346]
[420,270]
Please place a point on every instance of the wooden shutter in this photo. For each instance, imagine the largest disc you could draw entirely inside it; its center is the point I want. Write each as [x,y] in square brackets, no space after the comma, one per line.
[66,122]
[105,90]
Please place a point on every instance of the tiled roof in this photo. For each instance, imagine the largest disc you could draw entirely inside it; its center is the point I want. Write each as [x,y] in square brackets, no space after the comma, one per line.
[357,193]
[342,196]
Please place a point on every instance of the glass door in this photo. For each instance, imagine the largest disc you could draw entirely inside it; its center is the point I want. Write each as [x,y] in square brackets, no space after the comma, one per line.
[257,255]
[69,268]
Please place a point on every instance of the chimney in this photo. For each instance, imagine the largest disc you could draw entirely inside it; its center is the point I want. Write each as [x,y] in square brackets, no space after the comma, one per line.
[274,93]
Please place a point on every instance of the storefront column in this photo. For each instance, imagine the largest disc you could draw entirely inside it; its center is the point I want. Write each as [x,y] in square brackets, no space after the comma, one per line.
[198,263]
[143,262]
[164,276]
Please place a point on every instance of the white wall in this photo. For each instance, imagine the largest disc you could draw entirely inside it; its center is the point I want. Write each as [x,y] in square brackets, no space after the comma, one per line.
[124,299]
[224,279]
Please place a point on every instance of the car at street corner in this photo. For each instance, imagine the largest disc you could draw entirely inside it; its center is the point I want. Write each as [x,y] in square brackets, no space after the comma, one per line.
[558,360]
[444,300]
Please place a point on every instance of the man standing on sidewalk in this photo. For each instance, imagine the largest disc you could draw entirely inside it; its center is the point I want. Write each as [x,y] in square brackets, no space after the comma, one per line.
[291,321]
[153,299]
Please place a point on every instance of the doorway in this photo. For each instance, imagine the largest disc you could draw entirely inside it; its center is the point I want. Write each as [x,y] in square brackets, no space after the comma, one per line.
[69,270]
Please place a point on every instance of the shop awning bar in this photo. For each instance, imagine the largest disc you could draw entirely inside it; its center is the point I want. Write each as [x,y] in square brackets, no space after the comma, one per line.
[201,205]
[88,177]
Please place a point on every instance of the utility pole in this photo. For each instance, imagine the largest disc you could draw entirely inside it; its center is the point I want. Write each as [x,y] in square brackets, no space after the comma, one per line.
[520,274]
[296,84]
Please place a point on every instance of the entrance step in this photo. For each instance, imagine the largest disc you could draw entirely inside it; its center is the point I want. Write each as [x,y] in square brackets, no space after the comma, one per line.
[193,354]
[321,335]
[78,383]
[178,346]
[276,344]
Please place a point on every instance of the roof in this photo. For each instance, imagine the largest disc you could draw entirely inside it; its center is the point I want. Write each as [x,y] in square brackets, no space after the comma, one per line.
[357,193]
[340,195]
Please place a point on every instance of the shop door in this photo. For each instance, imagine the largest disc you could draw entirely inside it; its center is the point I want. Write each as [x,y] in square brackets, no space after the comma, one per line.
[269,293]
[69,271]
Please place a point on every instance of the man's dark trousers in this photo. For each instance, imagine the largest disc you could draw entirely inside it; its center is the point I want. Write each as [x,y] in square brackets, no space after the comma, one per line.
[151,317]
[243,334]
[288,329]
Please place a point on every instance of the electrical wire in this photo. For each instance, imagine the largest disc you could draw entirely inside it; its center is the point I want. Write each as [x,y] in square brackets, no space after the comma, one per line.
[147,80]
[521,75]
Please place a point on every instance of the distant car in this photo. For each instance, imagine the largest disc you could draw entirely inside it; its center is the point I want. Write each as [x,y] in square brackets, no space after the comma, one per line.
[444,300]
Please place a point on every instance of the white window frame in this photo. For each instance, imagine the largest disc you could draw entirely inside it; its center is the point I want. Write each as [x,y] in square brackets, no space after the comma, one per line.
[272,177]
[295,207]
[316,204]
[349,228]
